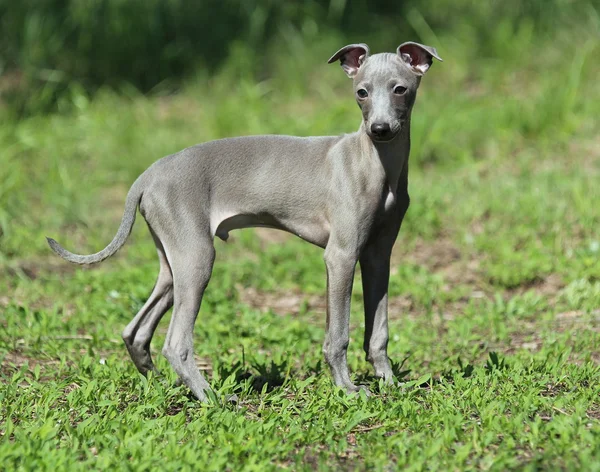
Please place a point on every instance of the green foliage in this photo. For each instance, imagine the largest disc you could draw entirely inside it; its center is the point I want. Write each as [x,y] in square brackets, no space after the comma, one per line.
[51,51]
[73,400]
[494,292]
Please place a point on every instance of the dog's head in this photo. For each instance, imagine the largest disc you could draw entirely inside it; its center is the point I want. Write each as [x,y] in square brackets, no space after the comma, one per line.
[385,85]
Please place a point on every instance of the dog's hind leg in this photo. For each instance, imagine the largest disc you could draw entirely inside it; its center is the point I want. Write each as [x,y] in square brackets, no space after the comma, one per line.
[138,333]
[191,264]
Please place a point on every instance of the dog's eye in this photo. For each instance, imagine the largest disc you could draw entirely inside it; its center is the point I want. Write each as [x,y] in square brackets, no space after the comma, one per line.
[362,93]
[399,90]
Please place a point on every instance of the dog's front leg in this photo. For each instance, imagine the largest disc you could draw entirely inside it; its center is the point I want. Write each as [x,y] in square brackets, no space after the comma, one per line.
[375,270]
[340,263]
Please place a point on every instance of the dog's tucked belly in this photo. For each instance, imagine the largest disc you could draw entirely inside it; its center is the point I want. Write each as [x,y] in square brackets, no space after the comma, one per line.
[315,232]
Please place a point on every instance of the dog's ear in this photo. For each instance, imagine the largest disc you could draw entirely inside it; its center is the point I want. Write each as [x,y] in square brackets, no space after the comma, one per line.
[417,56]
[351,58]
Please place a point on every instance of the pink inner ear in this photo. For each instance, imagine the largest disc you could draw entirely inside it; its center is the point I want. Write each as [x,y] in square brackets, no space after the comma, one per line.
[354,58]
[417,58]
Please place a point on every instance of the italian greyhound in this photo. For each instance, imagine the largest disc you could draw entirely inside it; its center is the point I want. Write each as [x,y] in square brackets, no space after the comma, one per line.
[347,194]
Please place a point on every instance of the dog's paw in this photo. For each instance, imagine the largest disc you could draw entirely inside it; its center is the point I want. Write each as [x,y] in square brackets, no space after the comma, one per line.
[232,399]
[356,389]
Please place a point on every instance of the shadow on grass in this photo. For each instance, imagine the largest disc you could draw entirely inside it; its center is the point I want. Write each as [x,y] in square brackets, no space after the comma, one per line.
[261,376]
[401,375]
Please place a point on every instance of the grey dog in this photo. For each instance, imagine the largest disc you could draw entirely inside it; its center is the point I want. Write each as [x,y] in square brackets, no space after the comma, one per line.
[347,194]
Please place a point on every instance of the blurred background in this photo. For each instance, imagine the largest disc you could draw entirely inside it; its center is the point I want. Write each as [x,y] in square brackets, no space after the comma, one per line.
[94,91]
[54,50]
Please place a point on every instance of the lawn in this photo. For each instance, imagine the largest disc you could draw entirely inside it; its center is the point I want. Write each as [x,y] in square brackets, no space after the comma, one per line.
[494,293]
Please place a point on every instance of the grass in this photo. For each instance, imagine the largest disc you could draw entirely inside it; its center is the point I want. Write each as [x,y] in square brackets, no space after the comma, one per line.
[495,287]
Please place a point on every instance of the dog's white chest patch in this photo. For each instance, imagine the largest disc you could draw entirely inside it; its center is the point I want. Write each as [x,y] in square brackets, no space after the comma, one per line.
[390,201]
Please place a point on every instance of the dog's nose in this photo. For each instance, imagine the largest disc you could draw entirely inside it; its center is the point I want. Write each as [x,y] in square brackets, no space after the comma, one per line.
[380,130]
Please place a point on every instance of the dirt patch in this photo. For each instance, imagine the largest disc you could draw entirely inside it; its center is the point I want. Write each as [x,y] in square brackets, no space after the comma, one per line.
[296,303]
[594,413]
[531,336]
[401,304]
[15,360]
[284,302]
[548,287]
[435,255]
[442,256]
[462,268]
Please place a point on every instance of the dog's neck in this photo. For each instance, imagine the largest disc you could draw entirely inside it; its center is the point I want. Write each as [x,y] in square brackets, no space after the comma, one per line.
[392,154]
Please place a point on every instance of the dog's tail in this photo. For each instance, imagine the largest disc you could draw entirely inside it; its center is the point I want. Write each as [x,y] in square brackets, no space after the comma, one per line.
[133,199]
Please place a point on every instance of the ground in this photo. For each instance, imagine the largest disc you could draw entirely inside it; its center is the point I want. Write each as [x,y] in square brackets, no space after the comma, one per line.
[494,293]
